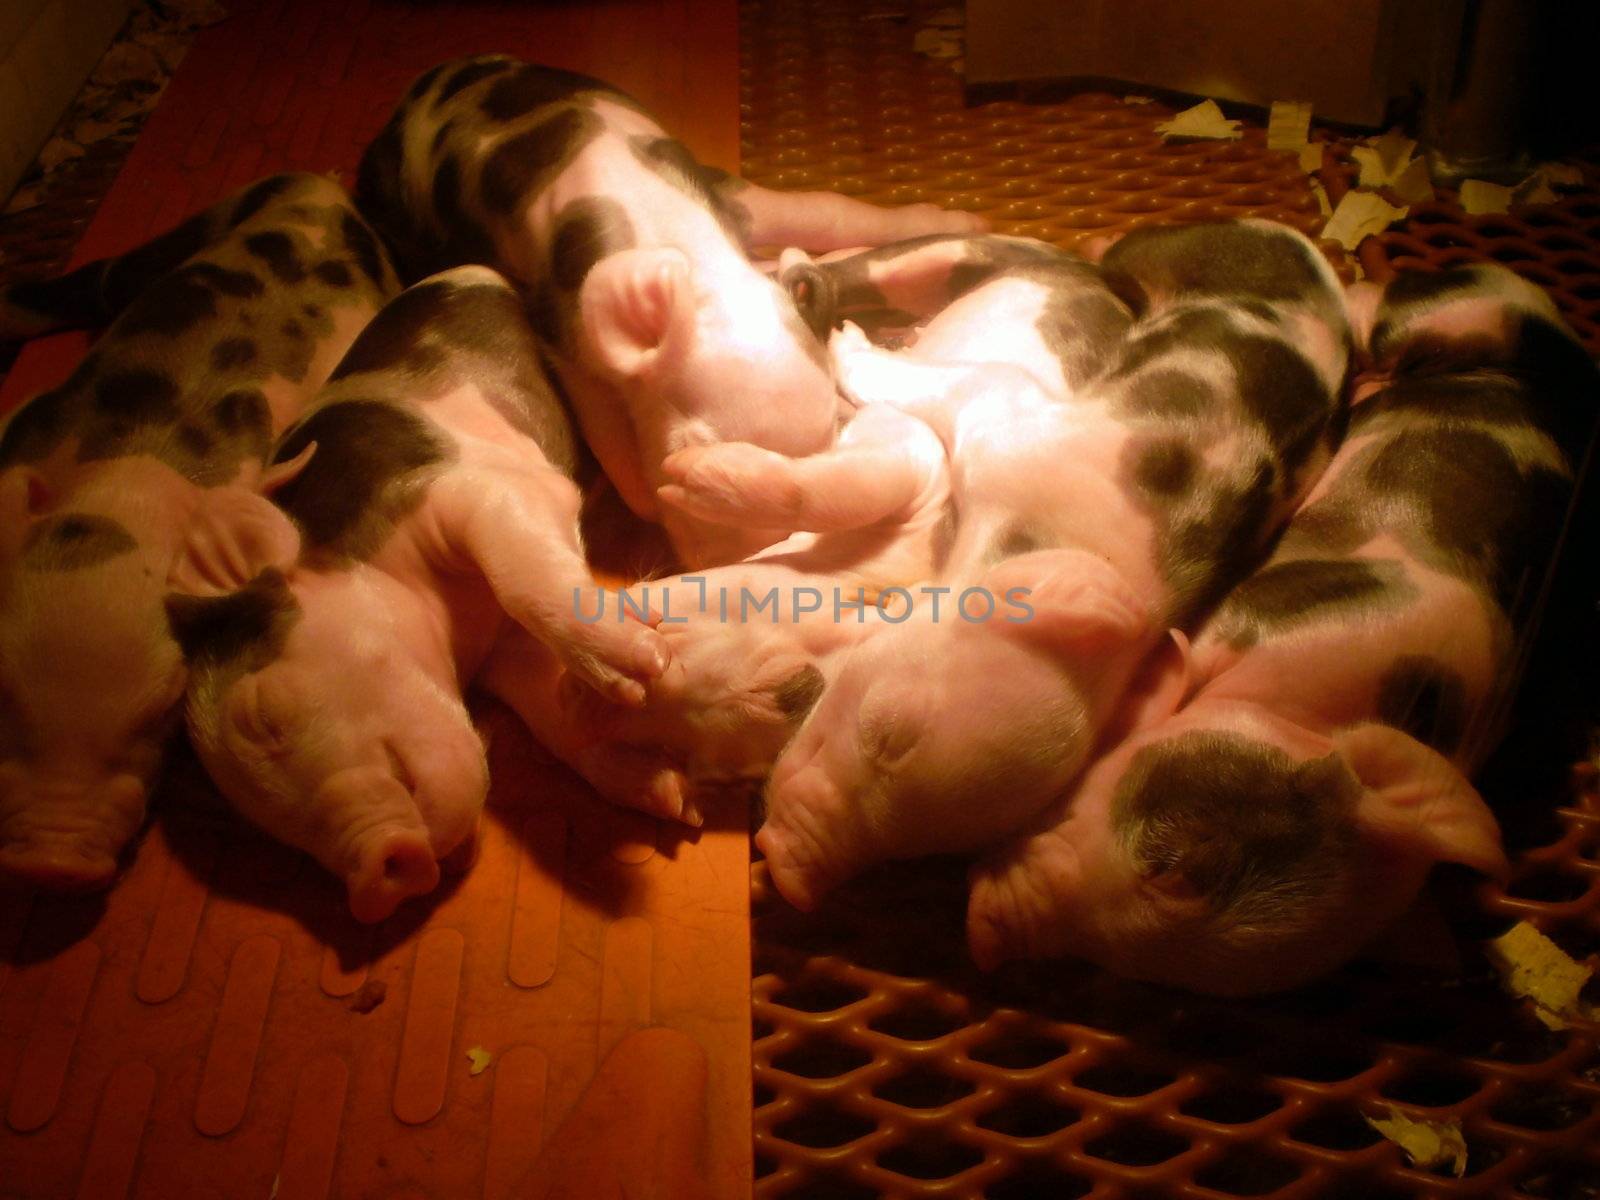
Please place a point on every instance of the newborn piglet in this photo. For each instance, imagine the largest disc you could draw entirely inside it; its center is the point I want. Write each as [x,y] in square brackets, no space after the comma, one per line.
[431,496]
[877,514]
[1272,799]
[633,258]
[138,476]
[1107,481]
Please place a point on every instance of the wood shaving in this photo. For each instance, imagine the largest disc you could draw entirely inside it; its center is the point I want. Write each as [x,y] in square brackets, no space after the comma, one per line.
[1538,970]
[1479,197]
[1359,216]
[1427,1144]
[1204,120]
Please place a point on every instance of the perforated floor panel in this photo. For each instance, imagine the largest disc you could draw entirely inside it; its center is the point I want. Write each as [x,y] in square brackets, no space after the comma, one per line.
[885,1064]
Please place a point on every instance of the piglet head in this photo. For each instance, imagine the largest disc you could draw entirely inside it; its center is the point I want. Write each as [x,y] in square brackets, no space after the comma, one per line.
[705,355]
[1230,852]
[89,680]
[948,732]
[326,722]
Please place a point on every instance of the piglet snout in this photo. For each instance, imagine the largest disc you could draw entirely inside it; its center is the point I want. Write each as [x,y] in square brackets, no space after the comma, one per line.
[392,865]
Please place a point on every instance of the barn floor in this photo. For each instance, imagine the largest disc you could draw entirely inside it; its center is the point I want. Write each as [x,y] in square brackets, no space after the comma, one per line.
[218,1026]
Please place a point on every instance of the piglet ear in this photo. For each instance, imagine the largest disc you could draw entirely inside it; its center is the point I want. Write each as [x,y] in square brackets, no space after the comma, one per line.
[1417,803]
[281,473]
[1067,600]
[811,288]
[631,302]
[24,492]
[234,535]
[213,628]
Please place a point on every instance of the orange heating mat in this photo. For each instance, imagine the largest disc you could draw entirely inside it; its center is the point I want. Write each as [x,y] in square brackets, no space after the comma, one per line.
[571,1017]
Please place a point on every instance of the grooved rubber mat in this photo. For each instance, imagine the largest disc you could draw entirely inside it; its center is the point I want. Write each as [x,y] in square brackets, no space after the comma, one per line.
[217,1025]
[885,1064]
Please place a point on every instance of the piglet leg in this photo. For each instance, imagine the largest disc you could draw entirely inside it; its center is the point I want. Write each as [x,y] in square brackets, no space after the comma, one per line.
[829,221]
[881,467]
[572,723]
[930,391]
[520,529]
[1015,905]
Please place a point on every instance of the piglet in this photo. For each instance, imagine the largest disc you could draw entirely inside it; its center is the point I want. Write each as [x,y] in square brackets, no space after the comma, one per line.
[1272,798]
[137,476]
[633,259]
[755,643]
[1109,480]
[436,497]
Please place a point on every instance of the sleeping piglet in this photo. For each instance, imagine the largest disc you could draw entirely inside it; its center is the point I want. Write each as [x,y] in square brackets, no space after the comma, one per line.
[1272,798]
[1113,478]
[876,514]
[634,261]
[432,513]
[115,487]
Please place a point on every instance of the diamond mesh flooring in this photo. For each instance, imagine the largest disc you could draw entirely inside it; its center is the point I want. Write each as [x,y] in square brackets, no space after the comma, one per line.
[885,1065]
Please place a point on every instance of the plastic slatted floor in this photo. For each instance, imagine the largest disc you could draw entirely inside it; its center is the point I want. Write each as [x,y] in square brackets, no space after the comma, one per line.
[885,1064]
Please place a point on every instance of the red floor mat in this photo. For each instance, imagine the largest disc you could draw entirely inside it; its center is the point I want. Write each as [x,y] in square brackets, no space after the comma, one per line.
[571,1017]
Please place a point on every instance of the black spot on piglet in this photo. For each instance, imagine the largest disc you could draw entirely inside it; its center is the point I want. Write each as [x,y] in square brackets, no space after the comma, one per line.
[232,352]
[364,246]
[363,477]
[277,250]
[398,335]
[799,693]
[72,541]
[474,70]
[333,273]
[585,231]
[1288,594]
[522,164]
[249,625]
[137,396]
[528,88]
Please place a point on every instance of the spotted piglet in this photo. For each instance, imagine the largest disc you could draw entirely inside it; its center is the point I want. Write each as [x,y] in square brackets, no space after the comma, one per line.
[1104,485]
[633,258]
[139,475]
[1279,793]
[875,510]
[432,516]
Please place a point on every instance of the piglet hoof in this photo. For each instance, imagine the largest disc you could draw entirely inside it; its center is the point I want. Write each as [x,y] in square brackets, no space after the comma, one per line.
[394,865]
[57,868]
[639,778]
[930,218]
[988,936]
[619,660]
